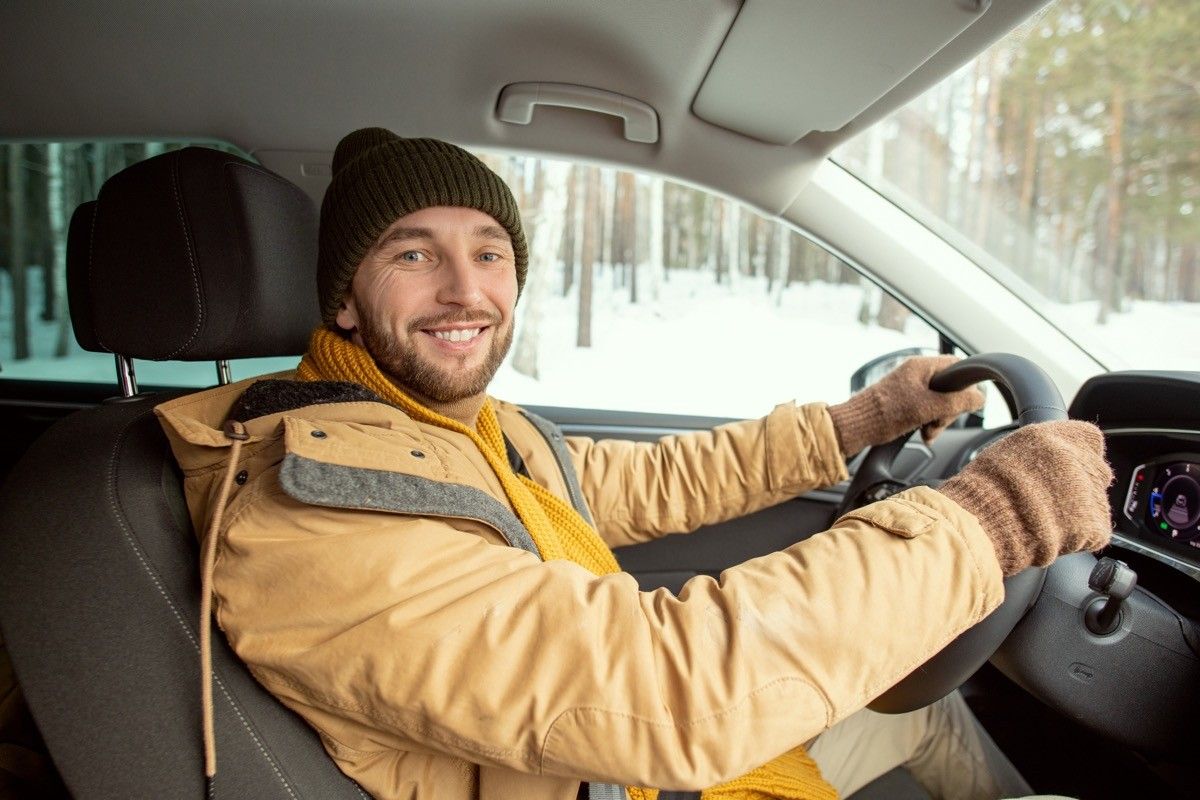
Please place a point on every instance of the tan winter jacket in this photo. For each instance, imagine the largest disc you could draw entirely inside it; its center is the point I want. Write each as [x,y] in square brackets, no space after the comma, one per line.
[373,576]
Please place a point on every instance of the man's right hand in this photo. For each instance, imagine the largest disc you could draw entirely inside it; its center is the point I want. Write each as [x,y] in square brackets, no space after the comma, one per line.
[1039,493]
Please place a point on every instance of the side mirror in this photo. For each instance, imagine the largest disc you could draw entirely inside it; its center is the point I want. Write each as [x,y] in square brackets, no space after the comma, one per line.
[876,368]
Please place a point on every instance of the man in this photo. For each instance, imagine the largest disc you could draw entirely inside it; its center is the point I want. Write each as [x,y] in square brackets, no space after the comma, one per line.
[425,575]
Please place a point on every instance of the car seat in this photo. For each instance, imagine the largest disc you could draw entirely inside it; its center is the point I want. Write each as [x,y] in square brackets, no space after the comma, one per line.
[192,255]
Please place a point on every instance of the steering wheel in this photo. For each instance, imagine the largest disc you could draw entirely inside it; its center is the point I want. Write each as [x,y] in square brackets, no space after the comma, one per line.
[1037,400]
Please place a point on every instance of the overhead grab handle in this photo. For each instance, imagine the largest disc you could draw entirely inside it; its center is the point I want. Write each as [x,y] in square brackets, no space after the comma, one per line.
[518,99]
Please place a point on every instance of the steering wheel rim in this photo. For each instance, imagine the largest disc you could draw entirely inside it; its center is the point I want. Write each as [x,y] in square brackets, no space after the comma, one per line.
[1037,399]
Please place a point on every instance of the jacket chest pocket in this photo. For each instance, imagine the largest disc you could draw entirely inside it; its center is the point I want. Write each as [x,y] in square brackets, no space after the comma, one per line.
[350,444]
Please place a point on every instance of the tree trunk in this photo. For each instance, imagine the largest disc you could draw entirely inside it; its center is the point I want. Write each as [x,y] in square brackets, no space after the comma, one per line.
[892,313]
[591,218]
[733,241]
[656,261]
[866,306]
[606,201]
[570,254]
[987,155]
[782,262]
[721,262]
[17,244]
[625,230]
[1027,200]
[1111,298]
[551,191]
[674,233]
[762,245]
[99,169]
[1189,267]
[56,296]
[797,250]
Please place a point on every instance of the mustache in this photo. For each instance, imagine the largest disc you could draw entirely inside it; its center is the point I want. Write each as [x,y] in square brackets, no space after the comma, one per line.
[481,319]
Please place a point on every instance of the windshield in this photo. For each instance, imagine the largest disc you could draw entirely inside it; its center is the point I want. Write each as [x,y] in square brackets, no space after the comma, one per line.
[1065,160]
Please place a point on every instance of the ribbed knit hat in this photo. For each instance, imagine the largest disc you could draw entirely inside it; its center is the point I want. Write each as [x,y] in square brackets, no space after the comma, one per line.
[379,177]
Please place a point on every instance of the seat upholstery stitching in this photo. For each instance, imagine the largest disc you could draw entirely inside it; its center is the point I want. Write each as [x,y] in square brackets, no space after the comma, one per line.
[112,499]
[187,239]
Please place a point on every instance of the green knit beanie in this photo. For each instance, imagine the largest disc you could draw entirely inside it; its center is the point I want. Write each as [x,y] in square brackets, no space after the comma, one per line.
[379,177]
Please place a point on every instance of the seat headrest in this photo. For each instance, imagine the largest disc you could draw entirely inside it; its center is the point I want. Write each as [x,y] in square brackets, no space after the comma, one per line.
[77,295]
[194,255]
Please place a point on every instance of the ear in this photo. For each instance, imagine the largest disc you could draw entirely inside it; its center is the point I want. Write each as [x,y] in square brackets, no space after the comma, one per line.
[347,316]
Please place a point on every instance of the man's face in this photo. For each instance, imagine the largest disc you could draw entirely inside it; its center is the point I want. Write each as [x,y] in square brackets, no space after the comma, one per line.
[433,301]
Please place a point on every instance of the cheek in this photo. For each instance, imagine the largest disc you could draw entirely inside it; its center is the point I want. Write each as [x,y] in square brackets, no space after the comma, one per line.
[502,291]
[392,303]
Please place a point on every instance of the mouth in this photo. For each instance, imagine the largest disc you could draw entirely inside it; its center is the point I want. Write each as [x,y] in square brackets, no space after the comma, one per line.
[458,337]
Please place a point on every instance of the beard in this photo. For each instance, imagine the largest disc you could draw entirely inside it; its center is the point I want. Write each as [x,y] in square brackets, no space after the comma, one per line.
[412,371]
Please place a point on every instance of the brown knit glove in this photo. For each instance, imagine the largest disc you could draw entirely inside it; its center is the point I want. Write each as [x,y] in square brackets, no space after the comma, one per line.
[1039,493]
[899,403]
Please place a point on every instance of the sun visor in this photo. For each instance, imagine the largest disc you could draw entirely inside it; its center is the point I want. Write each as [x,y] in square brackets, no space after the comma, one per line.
[791,67]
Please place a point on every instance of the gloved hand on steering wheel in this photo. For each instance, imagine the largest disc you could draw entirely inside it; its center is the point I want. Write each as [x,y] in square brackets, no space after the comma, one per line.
[902,401]
[1039,493]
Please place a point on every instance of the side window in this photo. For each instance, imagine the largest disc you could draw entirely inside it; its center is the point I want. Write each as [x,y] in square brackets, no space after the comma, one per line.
[647,295]
[40,186]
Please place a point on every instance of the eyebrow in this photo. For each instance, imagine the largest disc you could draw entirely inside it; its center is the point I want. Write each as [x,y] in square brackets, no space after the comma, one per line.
[405,234]
[493,232]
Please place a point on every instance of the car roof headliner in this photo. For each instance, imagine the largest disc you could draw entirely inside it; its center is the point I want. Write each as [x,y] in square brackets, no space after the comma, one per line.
[285,79]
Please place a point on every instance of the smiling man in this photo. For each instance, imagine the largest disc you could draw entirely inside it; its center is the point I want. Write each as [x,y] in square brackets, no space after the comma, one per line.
[425,573]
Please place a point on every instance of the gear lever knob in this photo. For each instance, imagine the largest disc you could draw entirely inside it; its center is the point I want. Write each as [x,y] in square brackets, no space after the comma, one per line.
[1116,581]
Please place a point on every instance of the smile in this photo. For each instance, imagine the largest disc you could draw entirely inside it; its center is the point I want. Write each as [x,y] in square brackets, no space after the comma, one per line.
[457,334]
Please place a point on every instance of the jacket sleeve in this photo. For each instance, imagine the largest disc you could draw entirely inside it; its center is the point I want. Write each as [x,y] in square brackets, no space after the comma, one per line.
[436,640]
[639,491]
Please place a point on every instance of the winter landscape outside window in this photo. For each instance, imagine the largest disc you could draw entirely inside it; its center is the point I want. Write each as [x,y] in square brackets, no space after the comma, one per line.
[642,294]
[1065,160]
[647,295]
[41,184]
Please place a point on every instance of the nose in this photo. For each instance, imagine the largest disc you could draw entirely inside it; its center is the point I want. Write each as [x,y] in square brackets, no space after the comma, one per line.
[460,285]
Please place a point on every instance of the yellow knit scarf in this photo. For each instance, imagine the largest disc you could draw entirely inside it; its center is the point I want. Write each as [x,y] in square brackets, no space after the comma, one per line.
[559,532]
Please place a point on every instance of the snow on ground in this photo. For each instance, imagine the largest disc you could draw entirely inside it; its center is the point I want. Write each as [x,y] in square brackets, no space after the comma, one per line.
[705,349]
[701,349]
[1147,336]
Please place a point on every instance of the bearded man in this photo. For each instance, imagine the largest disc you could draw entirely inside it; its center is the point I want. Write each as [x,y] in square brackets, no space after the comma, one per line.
[425,573]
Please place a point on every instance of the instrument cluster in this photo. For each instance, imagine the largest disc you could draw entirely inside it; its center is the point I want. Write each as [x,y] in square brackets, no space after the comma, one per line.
[1163,498]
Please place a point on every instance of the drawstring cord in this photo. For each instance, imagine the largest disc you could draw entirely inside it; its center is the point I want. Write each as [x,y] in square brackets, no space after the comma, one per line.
[235,432]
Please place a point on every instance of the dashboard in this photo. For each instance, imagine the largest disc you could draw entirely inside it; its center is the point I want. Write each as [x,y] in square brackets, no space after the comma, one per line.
[1151,423]
[1137,683]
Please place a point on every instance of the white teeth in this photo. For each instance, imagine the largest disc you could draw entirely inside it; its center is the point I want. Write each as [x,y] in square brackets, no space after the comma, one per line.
[459,335]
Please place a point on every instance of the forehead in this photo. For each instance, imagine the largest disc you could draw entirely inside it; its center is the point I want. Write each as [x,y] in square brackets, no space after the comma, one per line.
[444,221]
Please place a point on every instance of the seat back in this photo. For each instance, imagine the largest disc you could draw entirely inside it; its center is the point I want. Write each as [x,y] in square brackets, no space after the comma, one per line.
[99,585]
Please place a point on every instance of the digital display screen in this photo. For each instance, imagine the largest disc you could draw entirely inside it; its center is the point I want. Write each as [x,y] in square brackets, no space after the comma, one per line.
[1169,497]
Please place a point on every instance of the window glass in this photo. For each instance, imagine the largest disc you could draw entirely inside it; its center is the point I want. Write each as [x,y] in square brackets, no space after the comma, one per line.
[1065,160]
[40,185]
[642,294]
[647,295]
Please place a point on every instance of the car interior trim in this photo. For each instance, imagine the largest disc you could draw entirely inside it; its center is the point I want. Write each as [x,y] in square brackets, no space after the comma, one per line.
[861,63]
[517,101]
[1123,540]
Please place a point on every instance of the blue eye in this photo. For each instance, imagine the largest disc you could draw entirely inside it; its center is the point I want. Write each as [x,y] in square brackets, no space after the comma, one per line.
[490,257]
[412,256]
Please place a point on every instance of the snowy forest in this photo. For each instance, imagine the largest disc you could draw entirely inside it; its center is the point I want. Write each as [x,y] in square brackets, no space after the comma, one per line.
[1069,154]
